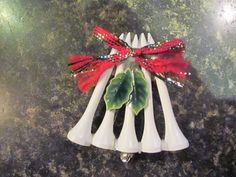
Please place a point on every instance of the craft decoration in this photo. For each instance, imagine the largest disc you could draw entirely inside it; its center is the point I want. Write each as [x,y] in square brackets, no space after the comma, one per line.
[131,85]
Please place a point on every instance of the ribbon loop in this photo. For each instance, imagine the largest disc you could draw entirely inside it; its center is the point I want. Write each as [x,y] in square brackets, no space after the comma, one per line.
[169,59]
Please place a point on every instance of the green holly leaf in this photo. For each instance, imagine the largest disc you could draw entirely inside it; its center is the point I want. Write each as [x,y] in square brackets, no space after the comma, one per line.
[140,93]
[119,90]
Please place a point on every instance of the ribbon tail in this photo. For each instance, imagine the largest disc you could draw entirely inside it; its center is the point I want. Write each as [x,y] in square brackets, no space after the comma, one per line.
[176,66]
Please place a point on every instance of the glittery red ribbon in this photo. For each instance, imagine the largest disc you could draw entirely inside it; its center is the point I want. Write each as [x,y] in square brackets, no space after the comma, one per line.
[169,59]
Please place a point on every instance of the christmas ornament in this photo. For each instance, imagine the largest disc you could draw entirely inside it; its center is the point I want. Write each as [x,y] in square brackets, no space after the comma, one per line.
[135,63]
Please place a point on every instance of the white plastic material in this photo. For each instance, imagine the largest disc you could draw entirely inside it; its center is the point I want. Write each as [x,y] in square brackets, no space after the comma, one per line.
[127,141]
[151,141]
[81,132]
[174,138]
[104,137]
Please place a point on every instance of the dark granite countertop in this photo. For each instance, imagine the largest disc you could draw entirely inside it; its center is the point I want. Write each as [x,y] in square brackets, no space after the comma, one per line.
[39,101]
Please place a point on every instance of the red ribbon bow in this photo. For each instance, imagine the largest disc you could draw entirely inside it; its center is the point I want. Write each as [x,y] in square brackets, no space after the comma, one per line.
[169,59]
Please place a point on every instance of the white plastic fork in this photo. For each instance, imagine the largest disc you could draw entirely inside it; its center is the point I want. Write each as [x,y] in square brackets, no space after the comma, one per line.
[81,132]
[127,141]
[174,138]
[104,137]
[151,141]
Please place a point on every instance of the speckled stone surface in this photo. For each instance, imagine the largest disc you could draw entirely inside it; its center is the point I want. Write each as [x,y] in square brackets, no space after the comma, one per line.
[39,101]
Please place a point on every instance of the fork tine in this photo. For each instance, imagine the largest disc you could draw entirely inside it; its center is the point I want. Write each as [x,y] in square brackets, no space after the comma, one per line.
[150,39]
[142,40]
[135,41]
